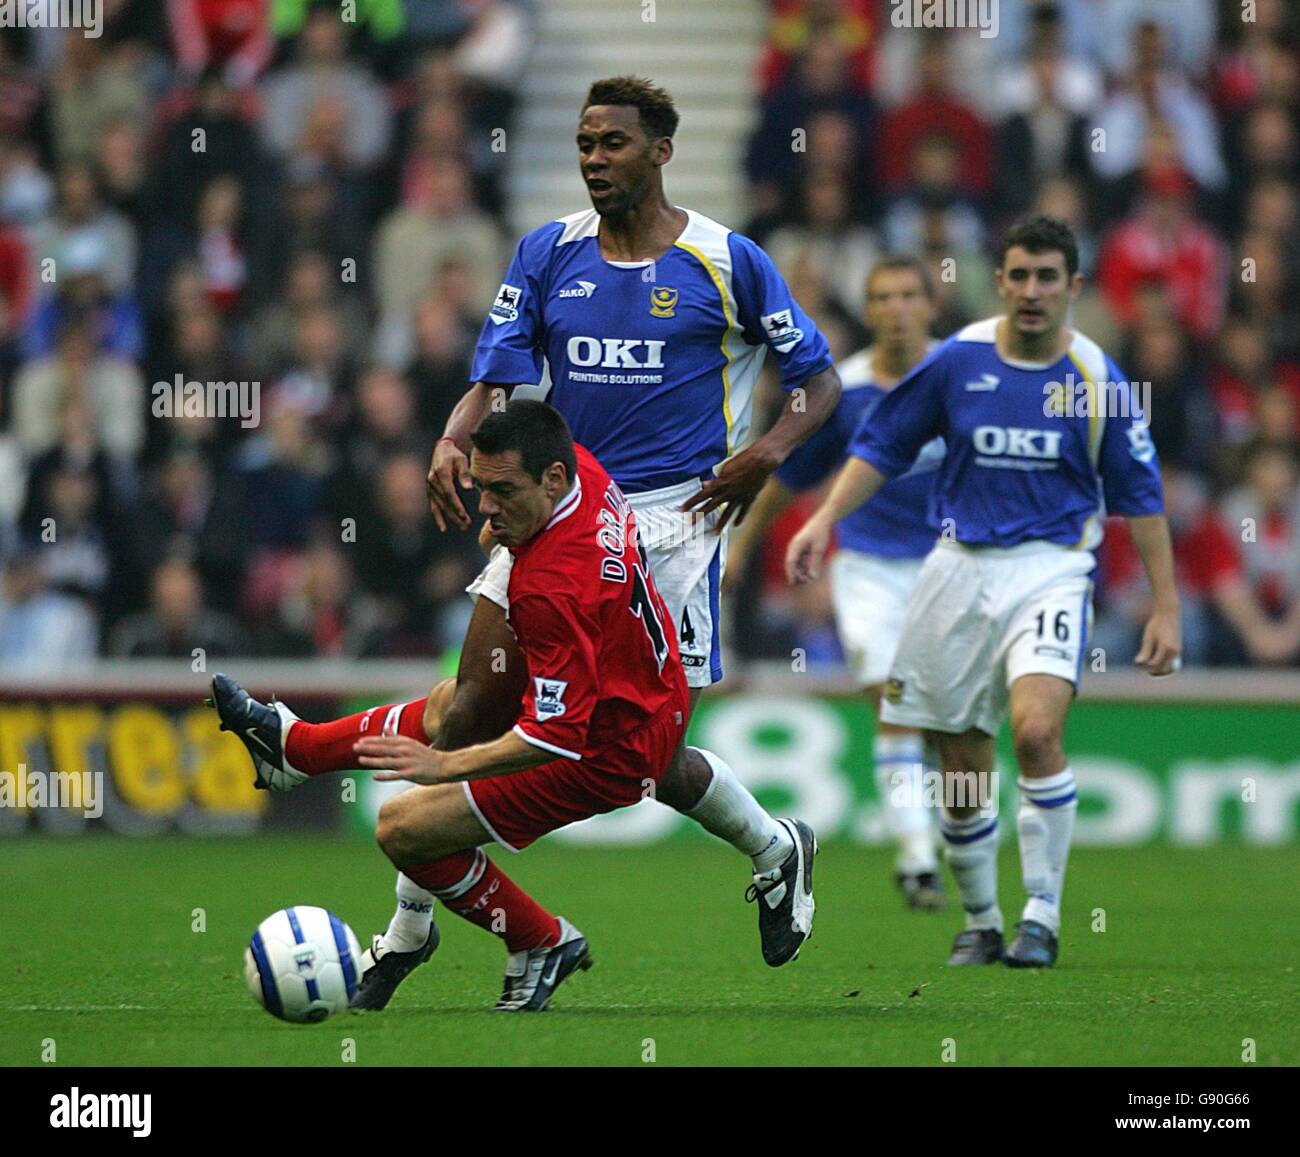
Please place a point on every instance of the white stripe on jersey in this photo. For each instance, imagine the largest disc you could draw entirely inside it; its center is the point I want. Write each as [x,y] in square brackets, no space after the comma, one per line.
[706,240]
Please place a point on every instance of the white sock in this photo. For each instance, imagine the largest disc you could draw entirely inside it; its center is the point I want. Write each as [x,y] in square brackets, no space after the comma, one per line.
[409,927]
[1045,823]
[900,762]
[973,857]
[730,812]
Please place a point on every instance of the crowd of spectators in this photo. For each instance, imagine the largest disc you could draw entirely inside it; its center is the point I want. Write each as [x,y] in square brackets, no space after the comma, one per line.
[255,191]
[243,191]
[1165,132]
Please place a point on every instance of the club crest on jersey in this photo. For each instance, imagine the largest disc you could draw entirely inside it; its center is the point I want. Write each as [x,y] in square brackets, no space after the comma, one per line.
[894,690]
[582,289]
[781,331]
[663,301]
[506,306]
[549,696]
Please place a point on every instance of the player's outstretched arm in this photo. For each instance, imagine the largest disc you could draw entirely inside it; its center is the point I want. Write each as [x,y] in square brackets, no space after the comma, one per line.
[856,482]
[401,757]
[450,463]
[741,477]
[1162,638]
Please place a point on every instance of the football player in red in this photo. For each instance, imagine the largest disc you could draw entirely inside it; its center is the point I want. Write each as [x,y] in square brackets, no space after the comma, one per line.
[603,714]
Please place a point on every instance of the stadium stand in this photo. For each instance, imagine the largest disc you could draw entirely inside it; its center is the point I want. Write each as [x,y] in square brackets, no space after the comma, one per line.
[251,192]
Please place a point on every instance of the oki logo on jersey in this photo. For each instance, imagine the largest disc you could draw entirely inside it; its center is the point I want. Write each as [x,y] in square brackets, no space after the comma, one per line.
[549,695]
[781,330]
[617,353]
[506,306]
[1013,442]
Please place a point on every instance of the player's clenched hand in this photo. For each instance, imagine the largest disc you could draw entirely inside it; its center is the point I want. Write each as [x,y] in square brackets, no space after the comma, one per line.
[400,757]
[1162,644]
[807,549]
[734,489]
[449,467]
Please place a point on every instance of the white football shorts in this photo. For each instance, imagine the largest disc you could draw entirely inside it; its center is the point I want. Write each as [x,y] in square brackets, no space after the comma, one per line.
[687,560]
[870,595]
[979,619]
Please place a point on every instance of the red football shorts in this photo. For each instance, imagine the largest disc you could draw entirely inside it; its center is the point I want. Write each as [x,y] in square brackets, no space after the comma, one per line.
[517,809]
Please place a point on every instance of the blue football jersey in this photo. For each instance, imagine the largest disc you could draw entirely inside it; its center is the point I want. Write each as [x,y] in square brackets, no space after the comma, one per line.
[898,521]
[1033,452]
[653,364]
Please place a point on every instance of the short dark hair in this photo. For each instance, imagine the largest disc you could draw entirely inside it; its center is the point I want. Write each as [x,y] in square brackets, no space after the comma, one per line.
[892,262]
[538,431]
[1041,234]
[654,106]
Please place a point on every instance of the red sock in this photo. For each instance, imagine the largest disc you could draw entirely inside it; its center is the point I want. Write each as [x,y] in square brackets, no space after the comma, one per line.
[316,747]
[472,886]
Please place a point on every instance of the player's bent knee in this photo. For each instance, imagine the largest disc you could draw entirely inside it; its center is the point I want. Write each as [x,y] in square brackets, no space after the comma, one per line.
[389,826]
[1037,741]
[426,823]
[403,832]
[479,710]
[440,699]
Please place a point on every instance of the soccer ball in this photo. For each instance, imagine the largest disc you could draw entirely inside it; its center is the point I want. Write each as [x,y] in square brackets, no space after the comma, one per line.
[302,964]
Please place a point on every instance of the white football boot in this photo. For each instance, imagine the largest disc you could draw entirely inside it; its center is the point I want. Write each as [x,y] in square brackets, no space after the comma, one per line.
[785,898]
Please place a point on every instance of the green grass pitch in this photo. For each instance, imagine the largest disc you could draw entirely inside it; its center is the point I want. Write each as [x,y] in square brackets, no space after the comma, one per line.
[1197,955]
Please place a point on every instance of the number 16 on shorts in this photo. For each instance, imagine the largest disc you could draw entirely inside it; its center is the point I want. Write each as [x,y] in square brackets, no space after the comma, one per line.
[1054,630]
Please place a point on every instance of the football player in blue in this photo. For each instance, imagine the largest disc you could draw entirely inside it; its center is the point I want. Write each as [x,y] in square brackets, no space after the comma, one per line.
[651,322]
[1043,436]
[881,545]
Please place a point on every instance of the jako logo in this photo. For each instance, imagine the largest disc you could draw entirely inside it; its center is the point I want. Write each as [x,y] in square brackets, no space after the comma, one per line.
[582,289]
[616,353]
[1017,443]
[78,1110]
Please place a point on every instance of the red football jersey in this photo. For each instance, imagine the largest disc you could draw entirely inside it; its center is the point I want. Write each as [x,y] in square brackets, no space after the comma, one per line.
[601,651]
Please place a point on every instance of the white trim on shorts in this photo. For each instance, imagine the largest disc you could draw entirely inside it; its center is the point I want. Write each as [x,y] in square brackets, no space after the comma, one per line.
[473,806]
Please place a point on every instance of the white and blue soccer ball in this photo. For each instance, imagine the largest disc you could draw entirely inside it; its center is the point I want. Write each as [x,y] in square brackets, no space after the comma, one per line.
[302,964]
